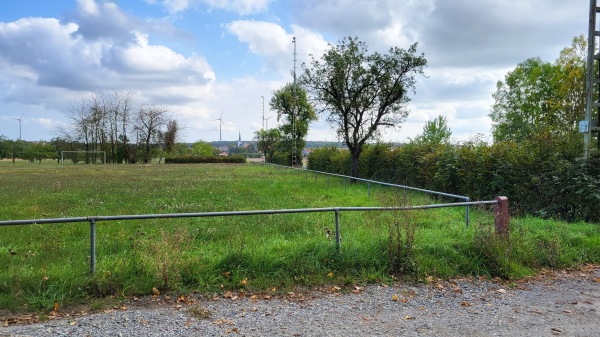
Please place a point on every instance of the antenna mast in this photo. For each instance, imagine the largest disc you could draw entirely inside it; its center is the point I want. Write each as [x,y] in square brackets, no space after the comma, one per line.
[294,106]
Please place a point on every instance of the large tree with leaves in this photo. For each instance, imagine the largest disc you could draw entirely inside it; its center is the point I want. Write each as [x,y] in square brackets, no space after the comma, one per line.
[361,93]
[266,141]
[295,113]
[435,132]
[540,97]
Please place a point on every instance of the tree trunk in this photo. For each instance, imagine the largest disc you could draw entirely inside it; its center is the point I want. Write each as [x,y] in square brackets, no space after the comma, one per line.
[354,166]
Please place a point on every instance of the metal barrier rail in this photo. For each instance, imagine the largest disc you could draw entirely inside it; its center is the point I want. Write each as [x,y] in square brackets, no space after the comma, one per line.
[93,219]
[369,181]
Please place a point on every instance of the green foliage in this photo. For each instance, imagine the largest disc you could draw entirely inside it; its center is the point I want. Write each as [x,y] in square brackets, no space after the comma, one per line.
[202,149]
[361,93]
[540,175]
[266,142]
[295,113]
[205,160]
[541,97]
[435,132]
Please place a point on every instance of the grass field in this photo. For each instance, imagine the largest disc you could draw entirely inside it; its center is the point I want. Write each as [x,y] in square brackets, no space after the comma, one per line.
[47,264]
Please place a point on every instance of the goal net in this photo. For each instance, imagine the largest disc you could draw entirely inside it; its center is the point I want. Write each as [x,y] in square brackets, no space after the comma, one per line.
[83,157]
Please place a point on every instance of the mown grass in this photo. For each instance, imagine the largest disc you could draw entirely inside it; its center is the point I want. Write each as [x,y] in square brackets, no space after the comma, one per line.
[47,264]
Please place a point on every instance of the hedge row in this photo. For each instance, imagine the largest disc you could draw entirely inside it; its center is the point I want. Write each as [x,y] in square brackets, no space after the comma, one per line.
[541,176]
[205,160]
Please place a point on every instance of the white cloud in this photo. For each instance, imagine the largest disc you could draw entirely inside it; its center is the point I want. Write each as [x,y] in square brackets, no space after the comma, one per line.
[274,43]
[241,7]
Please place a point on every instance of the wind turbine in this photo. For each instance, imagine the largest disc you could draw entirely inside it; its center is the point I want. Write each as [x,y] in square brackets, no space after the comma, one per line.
[19,119]
[220,119]
[267,122]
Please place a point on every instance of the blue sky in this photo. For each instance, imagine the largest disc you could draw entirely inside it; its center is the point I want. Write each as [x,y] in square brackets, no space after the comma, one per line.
[201,58]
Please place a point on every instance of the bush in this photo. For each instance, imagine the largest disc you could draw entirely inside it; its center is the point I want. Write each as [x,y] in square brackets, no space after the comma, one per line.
[540,176]
[205,160]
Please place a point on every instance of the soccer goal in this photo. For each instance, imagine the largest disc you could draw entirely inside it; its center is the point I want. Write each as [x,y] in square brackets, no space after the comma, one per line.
[86,157]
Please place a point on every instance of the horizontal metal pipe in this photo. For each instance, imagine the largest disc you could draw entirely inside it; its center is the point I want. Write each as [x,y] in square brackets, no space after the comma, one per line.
[386,184]
[234,213]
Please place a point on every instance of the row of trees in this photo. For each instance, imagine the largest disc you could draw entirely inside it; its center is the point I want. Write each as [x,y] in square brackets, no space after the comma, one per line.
[112,121]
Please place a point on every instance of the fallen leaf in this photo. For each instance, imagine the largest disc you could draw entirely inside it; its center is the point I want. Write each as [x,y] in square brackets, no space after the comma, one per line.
[228,294]
[598,280]
[537,312]
[330,274]
[336,288]
[555,331]
[178,306]
[227,274]
[5,323]
[567,311]
[465,304]
[73,323]
[244,281]
[155,291]
[408,317]
[55,306]
[439,286]
[502,291]
[253,297]
[403,300]
[123,308]
[429,279]
[395,298]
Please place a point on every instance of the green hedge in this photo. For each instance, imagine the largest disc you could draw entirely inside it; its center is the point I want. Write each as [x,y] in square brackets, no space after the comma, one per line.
[205,160]
[542,176]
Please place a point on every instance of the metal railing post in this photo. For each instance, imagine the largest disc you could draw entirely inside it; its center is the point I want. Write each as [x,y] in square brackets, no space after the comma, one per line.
[369,183]
[337,228]
[467,212]
[93,245]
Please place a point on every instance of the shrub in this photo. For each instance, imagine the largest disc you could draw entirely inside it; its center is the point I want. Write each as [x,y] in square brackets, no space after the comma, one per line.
[205,160]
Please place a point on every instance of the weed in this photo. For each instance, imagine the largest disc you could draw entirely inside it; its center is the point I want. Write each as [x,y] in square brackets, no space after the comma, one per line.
[199,312]
[496,249]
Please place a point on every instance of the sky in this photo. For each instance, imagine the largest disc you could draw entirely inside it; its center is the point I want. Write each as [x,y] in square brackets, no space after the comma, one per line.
[203,59]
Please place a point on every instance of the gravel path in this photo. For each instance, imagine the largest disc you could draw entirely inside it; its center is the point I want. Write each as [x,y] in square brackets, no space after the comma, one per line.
[554,304]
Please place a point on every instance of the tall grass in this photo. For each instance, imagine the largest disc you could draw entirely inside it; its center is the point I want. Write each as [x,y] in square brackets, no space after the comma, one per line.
[48,264]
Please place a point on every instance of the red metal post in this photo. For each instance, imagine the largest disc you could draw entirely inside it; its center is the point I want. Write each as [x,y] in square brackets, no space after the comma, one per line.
[501,216]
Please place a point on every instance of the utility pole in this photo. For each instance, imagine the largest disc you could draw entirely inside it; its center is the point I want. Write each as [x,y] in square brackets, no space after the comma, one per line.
[294,106]
[589,125]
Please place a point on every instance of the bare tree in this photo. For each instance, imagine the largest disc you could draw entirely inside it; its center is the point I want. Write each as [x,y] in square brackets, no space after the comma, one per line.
[150,119]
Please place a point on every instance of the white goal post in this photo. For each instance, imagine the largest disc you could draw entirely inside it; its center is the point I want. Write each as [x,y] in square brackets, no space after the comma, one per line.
[77,156]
